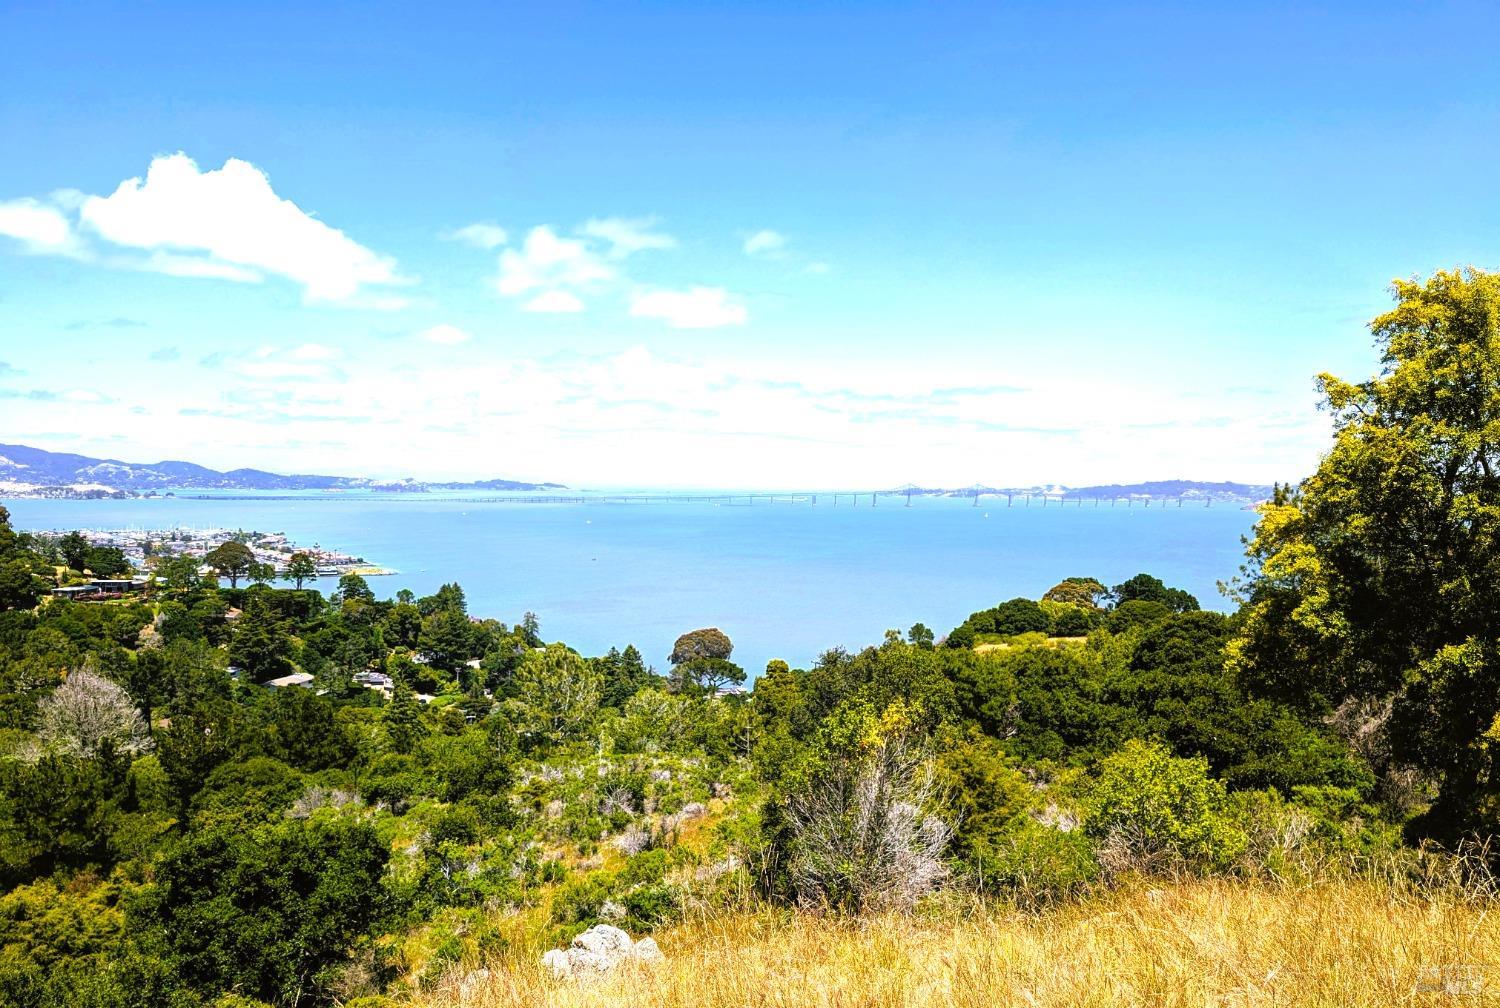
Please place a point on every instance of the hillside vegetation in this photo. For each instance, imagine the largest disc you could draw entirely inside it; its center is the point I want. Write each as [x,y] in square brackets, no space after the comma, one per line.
[233,797]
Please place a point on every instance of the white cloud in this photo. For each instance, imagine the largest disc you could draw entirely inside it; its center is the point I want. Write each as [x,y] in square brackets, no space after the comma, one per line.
[39,227]
[694,308]
[482,235]
[445,334]
[816,268]
[765,243]
[85,396]
[307,362]
[554,302]
[314,352]
[228,223]
[192,266]
[551,265]
[627,235]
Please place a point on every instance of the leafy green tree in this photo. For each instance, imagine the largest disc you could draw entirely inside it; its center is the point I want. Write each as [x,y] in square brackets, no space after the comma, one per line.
[261,573]
[1075,622]
[74,549]
[961,638]
[20,586]
[920,635]
[403,625]
[706,675]
[108,562]
[624,673]
[179,572]
[53,815]
[266,911]
[710,642]
[403,718]
[448,597]
[260,644]
[1380,579]
[447,638]
[230,560]
[1079,591]
[558,692]
[300,567]
[1019,616]
[1145,588]
[531,629]
[353,588]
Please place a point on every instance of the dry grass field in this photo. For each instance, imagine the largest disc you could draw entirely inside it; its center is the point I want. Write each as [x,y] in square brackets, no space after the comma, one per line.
[1191,944]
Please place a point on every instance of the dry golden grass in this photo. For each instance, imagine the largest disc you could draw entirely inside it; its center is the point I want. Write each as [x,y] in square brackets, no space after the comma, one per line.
[1212,943]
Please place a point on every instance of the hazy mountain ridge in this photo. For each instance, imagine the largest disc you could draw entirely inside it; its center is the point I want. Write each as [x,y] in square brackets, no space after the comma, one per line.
[23,467]
[1224,490]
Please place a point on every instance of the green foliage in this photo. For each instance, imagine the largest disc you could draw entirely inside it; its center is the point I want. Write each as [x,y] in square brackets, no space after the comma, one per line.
[300,567]
[264,911]
[259,643]
[403,718]
[1152,809]
[1145,588]
[1379,580]
[710,642]
[1085,592]
[230,560]
[557,693]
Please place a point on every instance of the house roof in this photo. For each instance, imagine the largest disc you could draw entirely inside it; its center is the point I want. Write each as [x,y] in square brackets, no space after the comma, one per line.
[295,679]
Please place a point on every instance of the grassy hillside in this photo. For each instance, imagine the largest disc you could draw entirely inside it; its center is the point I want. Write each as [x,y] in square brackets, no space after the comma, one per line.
[1216,942]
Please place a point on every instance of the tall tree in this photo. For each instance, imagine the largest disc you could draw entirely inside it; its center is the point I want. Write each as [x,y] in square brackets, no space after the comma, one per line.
[403,717]
[230,560]
[260,643]
[300,567]
[1381,577]
[558,690]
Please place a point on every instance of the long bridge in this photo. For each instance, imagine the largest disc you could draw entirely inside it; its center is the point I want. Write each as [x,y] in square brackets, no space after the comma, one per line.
[831,498]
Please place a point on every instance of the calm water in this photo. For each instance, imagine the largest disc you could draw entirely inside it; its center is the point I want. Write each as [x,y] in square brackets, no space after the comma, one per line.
[783,580]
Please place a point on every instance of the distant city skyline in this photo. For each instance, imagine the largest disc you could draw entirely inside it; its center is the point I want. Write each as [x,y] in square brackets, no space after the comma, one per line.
[777,246]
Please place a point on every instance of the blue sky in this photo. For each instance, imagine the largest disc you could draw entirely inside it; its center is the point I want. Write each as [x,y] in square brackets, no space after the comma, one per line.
[749,245]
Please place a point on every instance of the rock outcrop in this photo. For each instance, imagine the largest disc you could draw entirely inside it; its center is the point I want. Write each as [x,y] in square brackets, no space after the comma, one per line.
[597,951]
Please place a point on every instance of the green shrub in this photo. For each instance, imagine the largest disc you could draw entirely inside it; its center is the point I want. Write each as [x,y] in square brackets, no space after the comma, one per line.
[1036,864]
[1149,810]
[651,906]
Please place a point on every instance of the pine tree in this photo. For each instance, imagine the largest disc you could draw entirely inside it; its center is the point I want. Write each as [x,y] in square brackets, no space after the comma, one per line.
[403,718]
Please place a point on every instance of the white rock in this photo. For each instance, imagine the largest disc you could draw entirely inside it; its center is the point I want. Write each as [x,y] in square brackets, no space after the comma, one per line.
[646,951]
[605,940]
[598,950]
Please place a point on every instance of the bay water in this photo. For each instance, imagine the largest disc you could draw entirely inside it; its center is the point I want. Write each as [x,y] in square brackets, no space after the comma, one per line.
[784,580]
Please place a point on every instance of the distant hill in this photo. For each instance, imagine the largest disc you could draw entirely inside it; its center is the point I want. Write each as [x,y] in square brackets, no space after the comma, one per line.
[25,469]
[1175,488]
[1156,488]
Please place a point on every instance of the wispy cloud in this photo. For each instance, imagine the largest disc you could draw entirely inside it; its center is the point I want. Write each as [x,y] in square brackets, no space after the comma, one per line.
[444,334]
[694,308]
[118,322]
[166,355]
[554,302]
[627,235]
[481,236]
[765,242]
